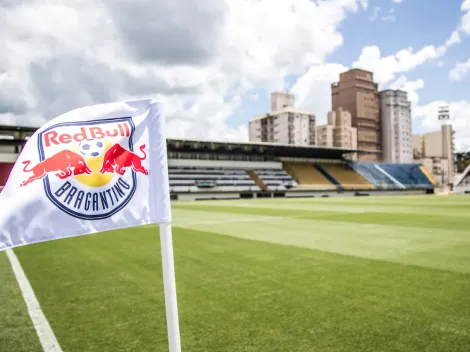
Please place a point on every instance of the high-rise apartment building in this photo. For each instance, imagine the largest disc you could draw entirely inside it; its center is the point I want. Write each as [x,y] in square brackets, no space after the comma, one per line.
[435,150]
[285,124]
[325,135]
[357,93]
[338,132]
[395,116]
[281,100]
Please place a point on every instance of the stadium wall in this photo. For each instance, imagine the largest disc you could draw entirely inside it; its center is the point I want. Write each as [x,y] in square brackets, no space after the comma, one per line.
[8,157]
[289,194]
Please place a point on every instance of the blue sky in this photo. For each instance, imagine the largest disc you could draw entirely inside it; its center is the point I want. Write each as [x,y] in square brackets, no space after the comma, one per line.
[416,24]
[226,56]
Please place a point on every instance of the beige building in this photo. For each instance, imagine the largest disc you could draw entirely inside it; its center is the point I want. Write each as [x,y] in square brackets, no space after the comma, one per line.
[395,116]
[338,132]
[435,150]
[357,93]
[325,135]
[282,100]
[285,124]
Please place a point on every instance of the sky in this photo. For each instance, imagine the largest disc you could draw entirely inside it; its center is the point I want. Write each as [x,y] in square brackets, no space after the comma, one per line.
[215,62]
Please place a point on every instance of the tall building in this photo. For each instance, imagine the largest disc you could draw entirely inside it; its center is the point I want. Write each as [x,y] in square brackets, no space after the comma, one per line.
[338,132]
[357,93]
[435,150]
[427,145]
[281,100]
[395,116]
[285,124]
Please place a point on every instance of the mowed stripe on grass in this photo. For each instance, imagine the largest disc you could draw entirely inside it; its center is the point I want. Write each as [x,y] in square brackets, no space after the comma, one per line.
[104,292]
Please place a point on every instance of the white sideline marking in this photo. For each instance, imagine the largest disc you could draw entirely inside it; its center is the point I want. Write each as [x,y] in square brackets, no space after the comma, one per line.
[43,329]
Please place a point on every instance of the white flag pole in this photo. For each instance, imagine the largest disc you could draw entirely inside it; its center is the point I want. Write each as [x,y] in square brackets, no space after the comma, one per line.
[169,284]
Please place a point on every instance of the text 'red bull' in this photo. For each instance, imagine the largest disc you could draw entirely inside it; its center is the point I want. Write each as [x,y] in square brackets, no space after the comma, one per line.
[91,132]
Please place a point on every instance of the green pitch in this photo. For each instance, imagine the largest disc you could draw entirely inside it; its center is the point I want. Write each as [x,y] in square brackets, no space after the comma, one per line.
[346,274]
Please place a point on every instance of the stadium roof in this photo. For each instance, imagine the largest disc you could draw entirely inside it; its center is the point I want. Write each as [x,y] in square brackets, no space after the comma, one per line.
[271,149]
[203,146]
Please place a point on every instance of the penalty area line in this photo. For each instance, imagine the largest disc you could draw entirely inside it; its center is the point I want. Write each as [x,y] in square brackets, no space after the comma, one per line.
[43,329]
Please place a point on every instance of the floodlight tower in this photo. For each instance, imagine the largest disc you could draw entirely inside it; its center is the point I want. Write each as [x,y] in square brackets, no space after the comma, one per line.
[443,116]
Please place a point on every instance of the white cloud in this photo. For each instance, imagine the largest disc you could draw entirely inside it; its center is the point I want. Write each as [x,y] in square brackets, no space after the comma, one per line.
[312,90]
[58,56]
[397,1]
[440,63]
[460,118]
[410,87]
[465,20]
[459,71]
[453,39]
[389,17]
[385,68]
[375,14]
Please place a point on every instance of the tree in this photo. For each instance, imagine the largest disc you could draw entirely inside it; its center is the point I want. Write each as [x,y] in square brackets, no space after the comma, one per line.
[462,160]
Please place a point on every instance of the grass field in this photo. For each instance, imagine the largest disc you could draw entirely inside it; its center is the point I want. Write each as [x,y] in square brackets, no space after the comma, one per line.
[346,274]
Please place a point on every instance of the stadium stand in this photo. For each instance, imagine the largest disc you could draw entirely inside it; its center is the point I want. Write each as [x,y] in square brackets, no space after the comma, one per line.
[409,175]
[328,176]
[193,179]
[394,176]
[346,176]
[429,176]
[273,179]
[254,176]
[307,176]
[375,176]
[221,170]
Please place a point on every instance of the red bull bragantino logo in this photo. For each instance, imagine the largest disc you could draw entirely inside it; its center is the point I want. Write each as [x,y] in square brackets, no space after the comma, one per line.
[88,169]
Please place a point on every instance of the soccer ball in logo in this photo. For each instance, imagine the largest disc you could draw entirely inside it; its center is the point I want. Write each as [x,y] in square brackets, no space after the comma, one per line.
[91,147]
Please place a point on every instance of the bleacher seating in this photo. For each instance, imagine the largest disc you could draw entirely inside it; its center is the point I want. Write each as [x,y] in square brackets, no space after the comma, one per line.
[393,176]
[307,176]
[346,176]
[299,175]
[275,179]
[376,177]
[429,175]
[409,175]
[193,179]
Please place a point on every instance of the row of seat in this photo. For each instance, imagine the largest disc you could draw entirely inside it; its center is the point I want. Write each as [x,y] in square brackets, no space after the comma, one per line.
[275,179]
[358,176]
[183,179]
[325,176]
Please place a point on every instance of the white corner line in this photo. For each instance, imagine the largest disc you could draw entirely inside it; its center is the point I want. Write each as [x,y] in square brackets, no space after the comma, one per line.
[43,329]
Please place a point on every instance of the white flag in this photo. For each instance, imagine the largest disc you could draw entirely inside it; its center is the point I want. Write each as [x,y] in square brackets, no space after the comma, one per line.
[93,169]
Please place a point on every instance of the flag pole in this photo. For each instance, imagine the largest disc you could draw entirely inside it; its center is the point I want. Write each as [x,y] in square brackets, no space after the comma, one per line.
[169,284]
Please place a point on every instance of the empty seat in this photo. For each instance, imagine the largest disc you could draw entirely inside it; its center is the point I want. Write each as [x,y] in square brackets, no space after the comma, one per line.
[346,176]
[307,176]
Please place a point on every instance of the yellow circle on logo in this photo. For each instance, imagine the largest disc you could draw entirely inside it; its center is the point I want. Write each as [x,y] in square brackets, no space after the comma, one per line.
[96,179]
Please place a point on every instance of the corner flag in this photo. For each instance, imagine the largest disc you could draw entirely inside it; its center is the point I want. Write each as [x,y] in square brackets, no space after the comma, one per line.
[93,169]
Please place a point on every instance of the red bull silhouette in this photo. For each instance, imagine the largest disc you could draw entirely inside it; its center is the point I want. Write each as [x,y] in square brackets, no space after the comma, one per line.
[117,159]
[61,163]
